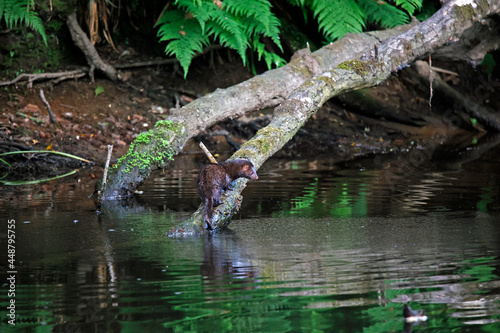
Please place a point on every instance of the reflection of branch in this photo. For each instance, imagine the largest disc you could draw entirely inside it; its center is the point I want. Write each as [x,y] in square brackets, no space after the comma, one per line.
[457,158]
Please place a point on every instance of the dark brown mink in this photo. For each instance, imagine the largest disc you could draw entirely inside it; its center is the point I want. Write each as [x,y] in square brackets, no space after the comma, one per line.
[213,179]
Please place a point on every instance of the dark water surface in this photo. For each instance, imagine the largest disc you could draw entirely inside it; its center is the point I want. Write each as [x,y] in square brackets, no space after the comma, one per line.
[317,247]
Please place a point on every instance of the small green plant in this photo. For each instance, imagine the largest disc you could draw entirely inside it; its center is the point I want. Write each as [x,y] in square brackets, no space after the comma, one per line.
[99,90]
[489,64]
[16,11]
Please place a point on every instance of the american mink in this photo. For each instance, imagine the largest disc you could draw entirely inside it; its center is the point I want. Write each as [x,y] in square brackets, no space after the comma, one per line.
[213,179]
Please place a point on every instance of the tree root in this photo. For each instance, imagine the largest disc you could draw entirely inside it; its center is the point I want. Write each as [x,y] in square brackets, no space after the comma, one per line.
[82,41]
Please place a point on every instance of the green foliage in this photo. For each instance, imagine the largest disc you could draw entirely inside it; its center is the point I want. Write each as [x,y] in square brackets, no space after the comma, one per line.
[16,11]
[339,17]
[241,24]
[489,64]
[383,14]
[409,5]
[236,24]
[152,148]
[99,90]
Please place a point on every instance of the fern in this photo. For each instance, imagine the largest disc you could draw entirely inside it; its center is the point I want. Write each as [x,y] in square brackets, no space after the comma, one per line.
[236,24]
[271,59]
[384,14]
[229,31]
[184,35]
[240,24]
[339,17]
[16,11]
[410,5]
[256,17]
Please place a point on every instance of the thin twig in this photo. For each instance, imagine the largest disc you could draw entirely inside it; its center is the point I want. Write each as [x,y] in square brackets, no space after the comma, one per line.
[37,120]
[67,106]
[431,92]
[209,155]
[45,76]
[444,71]
[51,115]
[106,167]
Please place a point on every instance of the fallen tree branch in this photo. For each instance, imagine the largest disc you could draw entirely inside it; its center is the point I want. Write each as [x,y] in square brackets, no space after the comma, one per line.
[207,152]
[36,120]
[292,114]
[60,76]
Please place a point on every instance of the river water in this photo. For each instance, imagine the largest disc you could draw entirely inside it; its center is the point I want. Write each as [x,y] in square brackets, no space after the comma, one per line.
[316,247]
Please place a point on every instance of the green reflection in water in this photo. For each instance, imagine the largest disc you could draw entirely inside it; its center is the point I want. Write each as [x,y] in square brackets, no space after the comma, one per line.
[346,201]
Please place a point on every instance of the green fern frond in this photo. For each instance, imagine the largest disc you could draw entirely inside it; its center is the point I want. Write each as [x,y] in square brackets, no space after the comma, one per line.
[338,17]
[256,18]
[233,23]
[229,31]
[17,11]
[271,59]
[184,37]
[381,12]
[410,5]
[201,10]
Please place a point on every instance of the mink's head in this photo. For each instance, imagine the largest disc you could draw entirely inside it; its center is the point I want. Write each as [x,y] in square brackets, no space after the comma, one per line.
[248,170]
[240,168]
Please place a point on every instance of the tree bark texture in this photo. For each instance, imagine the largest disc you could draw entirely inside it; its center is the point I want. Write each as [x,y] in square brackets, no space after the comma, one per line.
[448,23]
[82,41]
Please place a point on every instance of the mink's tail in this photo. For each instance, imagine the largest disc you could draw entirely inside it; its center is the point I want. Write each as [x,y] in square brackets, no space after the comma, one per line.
[209,210]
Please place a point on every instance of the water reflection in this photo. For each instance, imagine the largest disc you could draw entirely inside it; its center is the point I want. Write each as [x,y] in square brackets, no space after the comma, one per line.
[316,247]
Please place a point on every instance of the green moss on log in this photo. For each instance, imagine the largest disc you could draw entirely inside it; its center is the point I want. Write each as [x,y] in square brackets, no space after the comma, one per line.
[152,148]
[465,13]
[354,65]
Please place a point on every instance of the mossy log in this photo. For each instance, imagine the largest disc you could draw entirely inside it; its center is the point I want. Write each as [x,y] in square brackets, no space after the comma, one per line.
[449,22]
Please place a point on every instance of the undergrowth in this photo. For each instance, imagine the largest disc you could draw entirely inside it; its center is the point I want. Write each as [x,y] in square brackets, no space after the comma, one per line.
[14,12]
[236,24]
[191,25]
